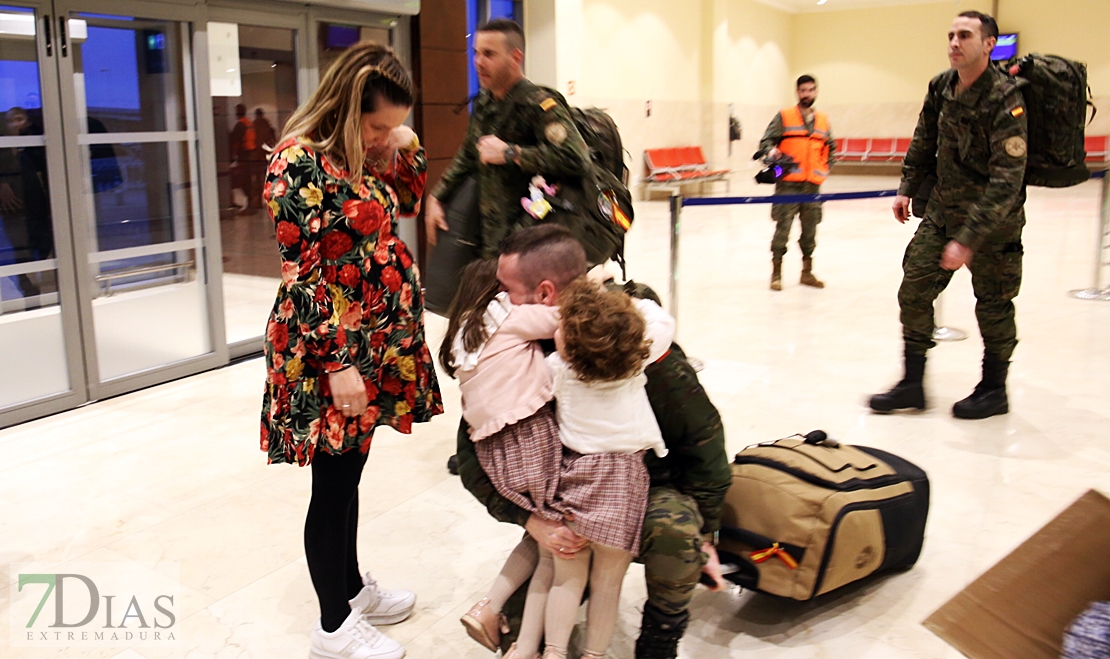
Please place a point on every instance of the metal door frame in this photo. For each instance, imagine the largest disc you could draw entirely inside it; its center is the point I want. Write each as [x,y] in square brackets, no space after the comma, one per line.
[49,85]
[315,14]
[279,16]
[209,260]
[71,230]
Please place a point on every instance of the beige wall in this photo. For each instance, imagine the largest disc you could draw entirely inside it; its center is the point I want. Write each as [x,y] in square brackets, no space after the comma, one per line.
[696,59]
[1073,28]
[691,60]
[873,64]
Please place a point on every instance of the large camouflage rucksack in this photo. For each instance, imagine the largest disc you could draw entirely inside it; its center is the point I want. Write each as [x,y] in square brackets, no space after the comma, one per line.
[604,139]
[603,195]
[1056,101]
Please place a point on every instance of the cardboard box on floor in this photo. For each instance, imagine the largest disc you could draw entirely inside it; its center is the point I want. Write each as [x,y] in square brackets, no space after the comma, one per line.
[1020,608]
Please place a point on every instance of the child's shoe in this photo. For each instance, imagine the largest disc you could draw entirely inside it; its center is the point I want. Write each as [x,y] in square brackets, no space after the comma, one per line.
[485,626]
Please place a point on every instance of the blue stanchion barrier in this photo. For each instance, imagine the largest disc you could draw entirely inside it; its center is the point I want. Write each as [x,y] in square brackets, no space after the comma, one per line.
[678,203]
[786,199]
[806,198]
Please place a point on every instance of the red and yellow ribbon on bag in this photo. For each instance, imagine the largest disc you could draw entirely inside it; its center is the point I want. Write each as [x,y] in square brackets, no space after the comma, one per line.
[764,555]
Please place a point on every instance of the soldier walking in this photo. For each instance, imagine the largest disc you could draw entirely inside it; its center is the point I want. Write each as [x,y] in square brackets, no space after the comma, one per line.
[971,134]
[516,131]
[804,134]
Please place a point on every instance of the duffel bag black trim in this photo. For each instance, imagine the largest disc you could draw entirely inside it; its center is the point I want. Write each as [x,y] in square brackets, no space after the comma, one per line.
[847,486]
[760,542]
[831,544]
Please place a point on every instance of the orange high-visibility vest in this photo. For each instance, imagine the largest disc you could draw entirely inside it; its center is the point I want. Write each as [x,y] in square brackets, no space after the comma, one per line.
[250,137]
[809,150]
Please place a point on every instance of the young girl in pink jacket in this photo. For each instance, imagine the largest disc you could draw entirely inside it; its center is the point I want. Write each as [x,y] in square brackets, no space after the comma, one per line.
[598,485]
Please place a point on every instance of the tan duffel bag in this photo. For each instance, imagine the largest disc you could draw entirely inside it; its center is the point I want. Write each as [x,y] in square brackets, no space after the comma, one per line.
[806,515]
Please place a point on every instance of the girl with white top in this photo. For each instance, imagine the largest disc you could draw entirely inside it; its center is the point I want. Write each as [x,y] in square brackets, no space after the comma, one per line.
[598,485]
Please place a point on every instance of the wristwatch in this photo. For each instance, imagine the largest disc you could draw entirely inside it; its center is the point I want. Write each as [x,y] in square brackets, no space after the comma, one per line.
[511,152]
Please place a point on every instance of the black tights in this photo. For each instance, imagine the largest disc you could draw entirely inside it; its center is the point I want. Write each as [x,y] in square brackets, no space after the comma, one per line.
[330,533]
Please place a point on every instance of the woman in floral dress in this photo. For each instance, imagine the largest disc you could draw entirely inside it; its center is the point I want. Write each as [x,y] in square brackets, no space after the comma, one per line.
[345,348]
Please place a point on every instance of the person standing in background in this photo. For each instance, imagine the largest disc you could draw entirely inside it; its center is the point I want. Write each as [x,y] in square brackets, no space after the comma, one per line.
[805,135]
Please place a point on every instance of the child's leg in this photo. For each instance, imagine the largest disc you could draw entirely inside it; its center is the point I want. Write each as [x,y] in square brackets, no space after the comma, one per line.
[518,567]
[484,622]
[563,602]
[535,606]
[606,577]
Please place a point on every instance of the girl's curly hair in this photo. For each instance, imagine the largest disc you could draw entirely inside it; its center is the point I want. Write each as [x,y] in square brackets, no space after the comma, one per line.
[603,333]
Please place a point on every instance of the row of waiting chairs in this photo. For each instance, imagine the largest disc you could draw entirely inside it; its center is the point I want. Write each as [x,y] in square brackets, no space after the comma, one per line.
[893,149]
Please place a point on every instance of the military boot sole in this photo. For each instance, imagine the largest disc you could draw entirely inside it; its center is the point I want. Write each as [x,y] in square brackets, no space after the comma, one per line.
[897,401]
[969,408]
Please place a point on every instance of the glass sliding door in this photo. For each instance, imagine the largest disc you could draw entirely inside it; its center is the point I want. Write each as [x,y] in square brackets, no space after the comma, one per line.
[40,363]
[135,194]
[247,127]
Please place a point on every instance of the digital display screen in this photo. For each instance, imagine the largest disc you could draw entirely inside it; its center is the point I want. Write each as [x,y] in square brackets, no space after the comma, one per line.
[342,36]
[1006,47]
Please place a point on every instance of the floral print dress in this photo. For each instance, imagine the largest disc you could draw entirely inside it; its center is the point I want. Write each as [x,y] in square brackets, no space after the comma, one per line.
[349,296]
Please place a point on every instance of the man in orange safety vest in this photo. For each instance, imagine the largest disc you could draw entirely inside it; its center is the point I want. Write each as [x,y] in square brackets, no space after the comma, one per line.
[802,133]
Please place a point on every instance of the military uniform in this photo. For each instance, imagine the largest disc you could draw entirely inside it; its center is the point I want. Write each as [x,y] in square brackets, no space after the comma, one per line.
[783,214]
[687,491]
[538,123]
[975,142]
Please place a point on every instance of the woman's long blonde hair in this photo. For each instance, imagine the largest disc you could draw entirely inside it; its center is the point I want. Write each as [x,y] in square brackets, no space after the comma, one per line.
[329,122]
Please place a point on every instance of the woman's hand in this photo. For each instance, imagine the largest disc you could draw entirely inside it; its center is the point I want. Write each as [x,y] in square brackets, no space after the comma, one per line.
[401,138]
[348,391]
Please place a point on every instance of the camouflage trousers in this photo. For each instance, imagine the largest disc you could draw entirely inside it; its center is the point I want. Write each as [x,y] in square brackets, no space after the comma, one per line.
[995,277]
[783,215]
[670,552]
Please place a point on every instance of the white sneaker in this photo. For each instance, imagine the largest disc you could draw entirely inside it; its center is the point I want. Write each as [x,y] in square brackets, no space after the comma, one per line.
[355,639]
[381,606]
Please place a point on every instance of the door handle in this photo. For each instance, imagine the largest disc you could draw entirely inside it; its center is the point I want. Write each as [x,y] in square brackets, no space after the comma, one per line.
[49,41]
[62,36]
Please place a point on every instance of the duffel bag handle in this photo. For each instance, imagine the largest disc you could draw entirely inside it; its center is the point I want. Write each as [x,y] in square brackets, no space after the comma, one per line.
[821,438]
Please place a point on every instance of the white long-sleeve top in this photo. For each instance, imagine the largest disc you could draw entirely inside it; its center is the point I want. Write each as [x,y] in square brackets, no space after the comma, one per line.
[612,417]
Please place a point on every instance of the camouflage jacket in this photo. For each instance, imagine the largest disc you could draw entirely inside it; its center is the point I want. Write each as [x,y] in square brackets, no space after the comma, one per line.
[697,464]
[539,124]
[975,143]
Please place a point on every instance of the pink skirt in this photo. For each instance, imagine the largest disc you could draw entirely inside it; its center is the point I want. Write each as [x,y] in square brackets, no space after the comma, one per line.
[523,461]
[603,497]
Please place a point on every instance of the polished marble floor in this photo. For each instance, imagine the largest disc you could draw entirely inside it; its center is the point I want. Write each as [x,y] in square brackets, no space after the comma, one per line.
[173,473]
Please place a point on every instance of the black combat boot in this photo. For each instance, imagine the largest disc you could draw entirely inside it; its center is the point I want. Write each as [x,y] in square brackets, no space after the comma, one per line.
[989,397]
[660,633]
[907,394]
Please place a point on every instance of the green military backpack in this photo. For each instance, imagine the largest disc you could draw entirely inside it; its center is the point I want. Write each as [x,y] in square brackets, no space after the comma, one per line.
[1056,101]
[601,201]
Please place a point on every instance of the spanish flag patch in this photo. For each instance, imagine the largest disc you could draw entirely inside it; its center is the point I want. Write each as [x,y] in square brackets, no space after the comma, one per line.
[611,209]
[1018,111]
[547,103]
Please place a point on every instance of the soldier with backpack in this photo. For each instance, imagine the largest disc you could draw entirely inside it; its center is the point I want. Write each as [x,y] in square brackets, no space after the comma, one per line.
[518,131]
[972,135]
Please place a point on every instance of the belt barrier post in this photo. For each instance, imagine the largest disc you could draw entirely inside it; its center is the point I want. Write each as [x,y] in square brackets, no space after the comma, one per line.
[940,332]
[676,212]
[1102,247]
